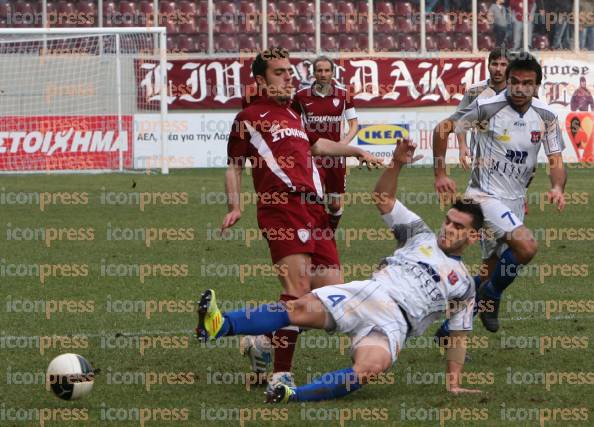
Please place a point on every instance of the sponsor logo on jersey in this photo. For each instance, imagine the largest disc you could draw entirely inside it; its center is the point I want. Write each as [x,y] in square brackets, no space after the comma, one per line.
[389,134]
[288,132]
[453,277]
[504,137]
[303,235]
[535,136]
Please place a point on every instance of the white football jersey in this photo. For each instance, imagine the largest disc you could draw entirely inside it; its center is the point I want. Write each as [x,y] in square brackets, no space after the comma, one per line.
[507,143]
[480,90]
[422,279]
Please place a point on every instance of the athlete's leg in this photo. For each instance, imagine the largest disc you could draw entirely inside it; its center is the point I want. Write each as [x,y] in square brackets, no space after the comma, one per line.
[371,357]
[335,209]
[295,277]
[522,248]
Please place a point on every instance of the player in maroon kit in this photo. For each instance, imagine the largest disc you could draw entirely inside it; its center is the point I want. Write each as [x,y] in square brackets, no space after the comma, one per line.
[290,208]
[324,106]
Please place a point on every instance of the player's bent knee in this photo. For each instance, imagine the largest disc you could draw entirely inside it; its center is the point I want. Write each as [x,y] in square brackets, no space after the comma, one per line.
[527,251]
[369,370]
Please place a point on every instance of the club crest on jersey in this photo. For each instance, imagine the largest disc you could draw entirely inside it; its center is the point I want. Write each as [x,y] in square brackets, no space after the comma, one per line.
[453,277]
[335,102]
[303,235]
[535,136]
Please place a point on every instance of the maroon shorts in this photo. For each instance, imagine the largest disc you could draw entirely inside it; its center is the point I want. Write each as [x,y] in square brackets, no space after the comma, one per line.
[298,227]
[333,174]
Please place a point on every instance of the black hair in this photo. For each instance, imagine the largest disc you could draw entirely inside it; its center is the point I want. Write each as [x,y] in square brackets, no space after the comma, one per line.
[499,53]
[469,206]
[525,62]
[261,62]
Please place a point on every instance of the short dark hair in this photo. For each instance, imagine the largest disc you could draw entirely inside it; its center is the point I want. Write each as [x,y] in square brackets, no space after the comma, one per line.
[499,53]
[470,207]
[525,62]
[261,62]
[323,58]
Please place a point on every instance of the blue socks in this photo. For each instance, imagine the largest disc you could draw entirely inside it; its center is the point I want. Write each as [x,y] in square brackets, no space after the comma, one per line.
[505,272]
[255,321]
[329,386]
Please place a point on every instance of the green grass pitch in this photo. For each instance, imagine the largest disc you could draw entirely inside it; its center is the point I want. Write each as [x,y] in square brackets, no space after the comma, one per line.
[538,370]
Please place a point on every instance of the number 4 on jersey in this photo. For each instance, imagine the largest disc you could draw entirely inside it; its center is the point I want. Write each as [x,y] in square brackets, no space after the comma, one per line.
[336,299]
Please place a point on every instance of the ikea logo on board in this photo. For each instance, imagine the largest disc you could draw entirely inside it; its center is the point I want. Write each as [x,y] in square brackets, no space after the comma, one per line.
[381,134]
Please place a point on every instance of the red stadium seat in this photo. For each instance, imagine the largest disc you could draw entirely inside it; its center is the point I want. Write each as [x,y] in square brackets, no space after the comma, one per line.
[328,26]
[347,42]
[67,16]
[249,43]
[363,42]
[125,6]
[384,7]
[248,7]
[431,43]
[463,24]
[362,7]
[109,10]
[463,42]
[202,24]
[483,26]
[225,27]
[286,8]
[444,24]
[306,43]
[224,8]
[327,8]
[385,42]
[486,42]
[305,24]
[200,43]
[87,13]
[386,25]
[404,8]
[184,43]
[226,43]
[405,25]
[283,40]
[288,27]
[445,42]
[187,8]
[346,7]
[171,43]
[305,8]
[407,43]
[186,26]
[273,27]
[430,24]
[202,7]
[329,43]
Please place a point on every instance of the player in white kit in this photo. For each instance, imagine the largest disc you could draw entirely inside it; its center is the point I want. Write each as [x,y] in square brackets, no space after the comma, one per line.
[496,63]
[510,129]
[423,279]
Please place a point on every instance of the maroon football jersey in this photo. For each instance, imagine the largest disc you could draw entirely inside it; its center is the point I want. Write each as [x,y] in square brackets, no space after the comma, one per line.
[273,138]
[324,114]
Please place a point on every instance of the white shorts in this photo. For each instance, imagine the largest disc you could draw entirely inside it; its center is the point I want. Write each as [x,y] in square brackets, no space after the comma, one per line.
[360,307]
[501,216]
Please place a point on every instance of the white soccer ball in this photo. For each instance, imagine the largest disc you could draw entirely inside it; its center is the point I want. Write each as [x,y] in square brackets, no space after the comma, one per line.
[70,376]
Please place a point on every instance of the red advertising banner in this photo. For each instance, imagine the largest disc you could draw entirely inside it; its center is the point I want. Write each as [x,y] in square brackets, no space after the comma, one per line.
[64,142]
[370,82]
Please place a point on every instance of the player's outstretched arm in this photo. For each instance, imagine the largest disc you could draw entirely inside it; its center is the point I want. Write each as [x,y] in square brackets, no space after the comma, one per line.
[232,187]
[455,362]
[384,193]
[353,129]
[325,147]
[442,131]
[558,176]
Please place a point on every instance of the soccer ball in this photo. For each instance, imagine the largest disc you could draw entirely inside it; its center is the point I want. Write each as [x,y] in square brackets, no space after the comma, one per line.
[70,376]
